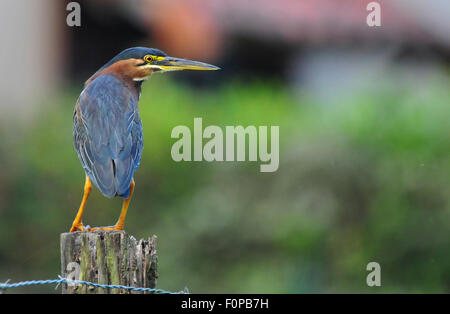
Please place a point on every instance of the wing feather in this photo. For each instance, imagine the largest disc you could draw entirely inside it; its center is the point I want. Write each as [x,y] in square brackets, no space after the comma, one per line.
[108,134]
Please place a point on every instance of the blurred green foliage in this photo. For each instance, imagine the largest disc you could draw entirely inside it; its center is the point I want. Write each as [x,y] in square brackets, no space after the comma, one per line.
[363,179]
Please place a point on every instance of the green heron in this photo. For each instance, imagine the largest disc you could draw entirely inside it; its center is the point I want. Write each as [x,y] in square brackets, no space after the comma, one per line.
[107,128]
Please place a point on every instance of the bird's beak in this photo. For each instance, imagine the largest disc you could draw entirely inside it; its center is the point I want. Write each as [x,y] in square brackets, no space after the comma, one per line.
[173,64]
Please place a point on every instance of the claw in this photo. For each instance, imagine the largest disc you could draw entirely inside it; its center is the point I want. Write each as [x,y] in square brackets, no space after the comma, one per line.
[108,228]
[77,227]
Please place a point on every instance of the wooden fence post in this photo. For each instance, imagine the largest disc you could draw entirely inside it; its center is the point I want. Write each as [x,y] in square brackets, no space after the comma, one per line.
[109,258]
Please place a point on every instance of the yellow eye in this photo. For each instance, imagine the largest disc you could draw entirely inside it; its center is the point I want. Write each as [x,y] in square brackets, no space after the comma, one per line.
[149,58]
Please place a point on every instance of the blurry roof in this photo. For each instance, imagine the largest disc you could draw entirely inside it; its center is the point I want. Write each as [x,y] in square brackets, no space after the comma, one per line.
[200,23]
[318,20]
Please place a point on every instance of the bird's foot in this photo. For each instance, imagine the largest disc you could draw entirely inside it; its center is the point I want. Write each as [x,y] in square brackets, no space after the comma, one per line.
[108,228]
[77,227]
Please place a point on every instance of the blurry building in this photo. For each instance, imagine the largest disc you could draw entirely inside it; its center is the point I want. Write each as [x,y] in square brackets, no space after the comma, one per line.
[31,54]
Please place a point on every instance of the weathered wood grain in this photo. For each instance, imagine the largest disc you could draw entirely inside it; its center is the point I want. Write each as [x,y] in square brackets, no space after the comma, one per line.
[107,257]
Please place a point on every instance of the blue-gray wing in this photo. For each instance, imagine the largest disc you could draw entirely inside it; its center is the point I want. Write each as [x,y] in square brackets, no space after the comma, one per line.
[107,134]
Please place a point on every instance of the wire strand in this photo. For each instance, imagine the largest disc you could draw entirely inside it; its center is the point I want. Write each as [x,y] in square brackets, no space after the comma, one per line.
[6,285]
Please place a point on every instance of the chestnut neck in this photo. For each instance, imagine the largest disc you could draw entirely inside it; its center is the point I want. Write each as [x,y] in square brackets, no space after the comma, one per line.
[125,71]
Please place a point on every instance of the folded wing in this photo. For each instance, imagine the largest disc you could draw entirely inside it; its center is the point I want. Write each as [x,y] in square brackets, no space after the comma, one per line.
[107,134]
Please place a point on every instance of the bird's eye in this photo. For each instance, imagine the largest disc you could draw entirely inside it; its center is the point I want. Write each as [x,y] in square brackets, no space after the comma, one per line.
[149,58]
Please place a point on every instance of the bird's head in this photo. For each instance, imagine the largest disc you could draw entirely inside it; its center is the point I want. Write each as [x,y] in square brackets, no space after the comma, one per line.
[139,63]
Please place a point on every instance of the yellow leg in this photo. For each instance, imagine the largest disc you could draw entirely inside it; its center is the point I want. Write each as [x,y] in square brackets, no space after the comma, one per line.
[123,214]
[77,224]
